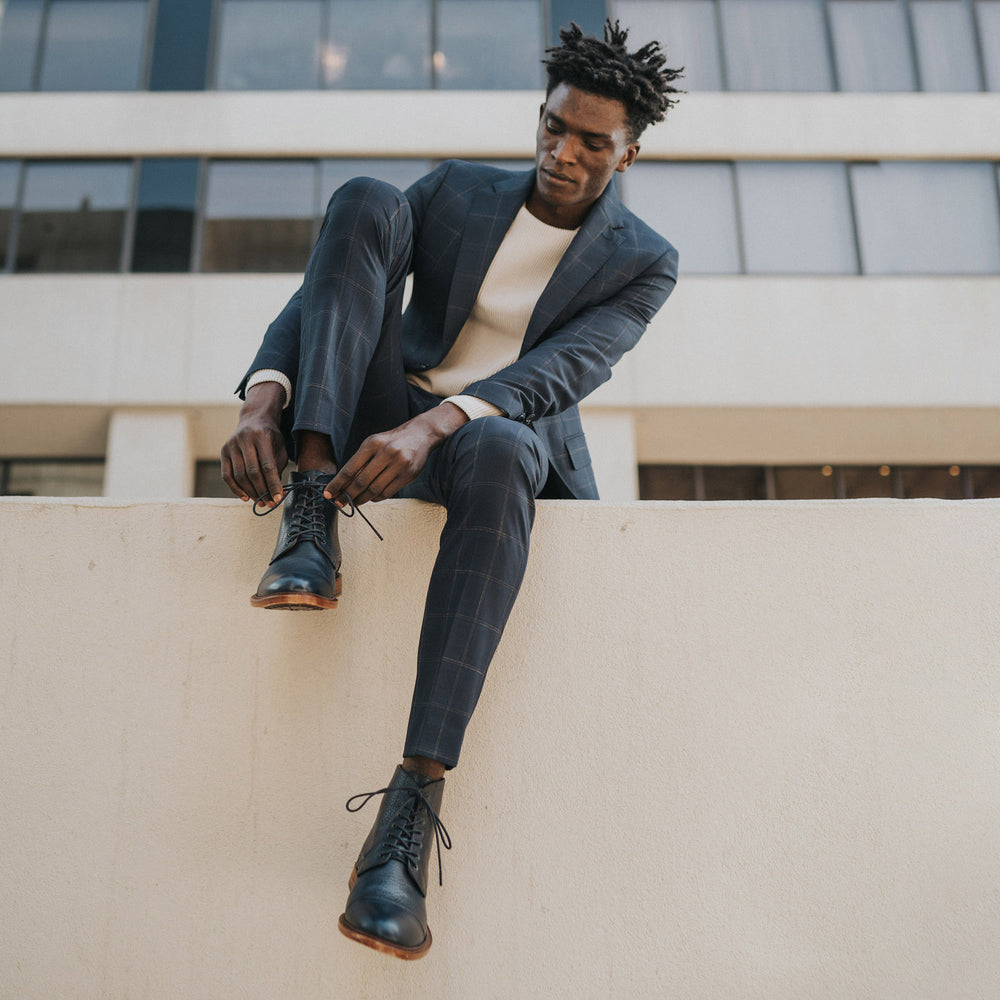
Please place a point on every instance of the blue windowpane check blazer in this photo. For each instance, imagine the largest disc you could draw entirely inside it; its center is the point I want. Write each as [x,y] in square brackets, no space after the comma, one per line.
[609,284]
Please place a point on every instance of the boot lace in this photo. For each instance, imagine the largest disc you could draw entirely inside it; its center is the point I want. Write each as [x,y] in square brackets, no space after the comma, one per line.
[403,840]
[307,517]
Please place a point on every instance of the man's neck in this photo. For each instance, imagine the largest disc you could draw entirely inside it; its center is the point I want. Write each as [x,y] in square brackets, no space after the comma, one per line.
[561,217]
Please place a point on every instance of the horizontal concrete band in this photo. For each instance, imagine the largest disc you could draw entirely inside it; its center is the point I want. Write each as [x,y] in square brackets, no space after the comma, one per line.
[736,750]
[919,341]
[489,124]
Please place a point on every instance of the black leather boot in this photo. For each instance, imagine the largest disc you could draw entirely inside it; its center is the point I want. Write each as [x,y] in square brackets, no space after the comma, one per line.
[304,572]
[386,908]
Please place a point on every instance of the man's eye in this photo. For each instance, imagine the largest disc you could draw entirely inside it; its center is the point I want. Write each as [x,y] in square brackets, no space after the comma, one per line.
[551,126]
[595,146]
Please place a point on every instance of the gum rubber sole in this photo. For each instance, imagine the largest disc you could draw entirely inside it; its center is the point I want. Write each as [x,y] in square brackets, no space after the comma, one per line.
[299,600]
[386,947]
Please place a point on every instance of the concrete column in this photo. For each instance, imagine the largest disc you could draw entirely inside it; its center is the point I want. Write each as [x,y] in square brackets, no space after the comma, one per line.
[149,454]
[611,438]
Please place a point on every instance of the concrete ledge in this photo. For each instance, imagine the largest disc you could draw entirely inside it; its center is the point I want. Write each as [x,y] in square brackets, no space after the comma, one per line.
[489,124]
[726,750]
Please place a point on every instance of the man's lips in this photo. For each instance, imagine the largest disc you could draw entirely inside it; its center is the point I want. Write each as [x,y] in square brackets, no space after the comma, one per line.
[557,177]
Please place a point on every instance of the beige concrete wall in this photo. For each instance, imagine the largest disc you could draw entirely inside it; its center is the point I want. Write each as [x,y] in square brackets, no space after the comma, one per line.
[725,750]
[473,123]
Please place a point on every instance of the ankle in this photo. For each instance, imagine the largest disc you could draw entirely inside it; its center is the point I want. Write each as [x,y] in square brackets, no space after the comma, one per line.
[315,453]
[432,769]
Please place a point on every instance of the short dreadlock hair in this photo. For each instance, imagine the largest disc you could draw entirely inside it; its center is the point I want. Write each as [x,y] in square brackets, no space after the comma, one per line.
[606,68]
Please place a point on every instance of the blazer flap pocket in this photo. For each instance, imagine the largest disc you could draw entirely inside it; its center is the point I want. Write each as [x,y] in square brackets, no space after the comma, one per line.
[576,451]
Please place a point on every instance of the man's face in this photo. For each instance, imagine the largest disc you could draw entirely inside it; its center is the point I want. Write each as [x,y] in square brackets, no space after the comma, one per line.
[582,141]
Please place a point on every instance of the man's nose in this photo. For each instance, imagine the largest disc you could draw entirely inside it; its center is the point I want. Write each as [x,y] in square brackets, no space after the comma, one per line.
[562,150]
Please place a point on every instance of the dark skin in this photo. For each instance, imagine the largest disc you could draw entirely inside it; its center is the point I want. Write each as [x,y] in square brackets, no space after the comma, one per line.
[581,142]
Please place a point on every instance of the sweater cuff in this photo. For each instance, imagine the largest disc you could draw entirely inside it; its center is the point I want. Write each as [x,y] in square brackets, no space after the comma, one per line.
[271,375]
[474,407]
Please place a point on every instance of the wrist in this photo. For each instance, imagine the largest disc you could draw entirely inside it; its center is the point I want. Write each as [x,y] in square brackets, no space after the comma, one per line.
[266,398]
[443,420]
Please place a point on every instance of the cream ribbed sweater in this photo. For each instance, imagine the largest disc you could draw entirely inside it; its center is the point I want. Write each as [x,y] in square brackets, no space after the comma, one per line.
[492,335]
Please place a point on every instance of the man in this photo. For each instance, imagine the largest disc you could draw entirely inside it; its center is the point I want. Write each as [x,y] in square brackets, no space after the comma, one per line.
[527,289]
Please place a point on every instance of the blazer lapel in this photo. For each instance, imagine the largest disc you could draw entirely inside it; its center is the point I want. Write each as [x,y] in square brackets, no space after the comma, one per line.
[490,215]
[597,239]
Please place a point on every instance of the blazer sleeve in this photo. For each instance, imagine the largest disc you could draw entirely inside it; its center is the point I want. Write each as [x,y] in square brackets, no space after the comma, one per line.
[575,359]
[280,347]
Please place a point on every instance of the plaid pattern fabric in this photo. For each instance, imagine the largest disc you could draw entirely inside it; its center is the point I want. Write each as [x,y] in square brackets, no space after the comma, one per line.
[487,475]
[346,346]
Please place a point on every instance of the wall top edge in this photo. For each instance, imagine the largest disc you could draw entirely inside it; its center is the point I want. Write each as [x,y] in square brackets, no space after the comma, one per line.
[395,123]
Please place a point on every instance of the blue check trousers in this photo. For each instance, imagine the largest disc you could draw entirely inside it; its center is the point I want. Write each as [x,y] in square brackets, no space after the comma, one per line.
[351,383]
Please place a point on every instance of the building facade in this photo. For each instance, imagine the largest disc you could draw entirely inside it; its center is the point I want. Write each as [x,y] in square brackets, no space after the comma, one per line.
[831,179]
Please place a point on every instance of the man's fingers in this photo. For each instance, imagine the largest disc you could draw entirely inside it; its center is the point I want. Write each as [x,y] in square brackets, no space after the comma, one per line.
[229,477]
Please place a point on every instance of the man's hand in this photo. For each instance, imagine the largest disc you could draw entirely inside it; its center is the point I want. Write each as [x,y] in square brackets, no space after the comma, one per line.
[254,457]
[387,462]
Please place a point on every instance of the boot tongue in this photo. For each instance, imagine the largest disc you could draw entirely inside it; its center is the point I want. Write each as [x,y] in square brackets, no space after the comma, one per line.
[312,476]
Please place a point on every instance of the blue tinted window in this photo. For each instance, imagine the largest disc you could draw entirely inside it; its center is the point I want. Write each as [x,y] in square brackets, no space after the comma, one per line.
[692,205]
[164,224]
[775,45]
[688,31]
[259,216]
[180,50]
[401,173]
[360,54]
[9,173]
[73,216]
[927,218]
[872,45]
[988,19]
[20,25]
[946,47]
[269,46]
[489,45]
[796,218]
[94,45]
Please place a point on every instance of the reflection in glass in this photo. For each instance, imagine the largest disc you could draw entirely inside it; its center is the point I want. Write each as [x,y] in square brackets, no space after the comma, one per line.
[775,45]
[9,173]
[258,216]
[692,205]
[871,45]
[988,19]
[927,218]
[400,173]
[946,48]
[377,44]
[489,45]
[685,28]
[796,218]
[94,45]
[180,52]
[164,224]
[20,24]
[73,216]
[79,478]
[269,46]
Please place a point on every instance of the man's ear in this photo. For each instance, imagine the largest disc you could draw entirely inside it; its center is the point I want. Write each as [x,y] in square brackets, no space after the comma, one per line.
[541,110]
[629,158]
